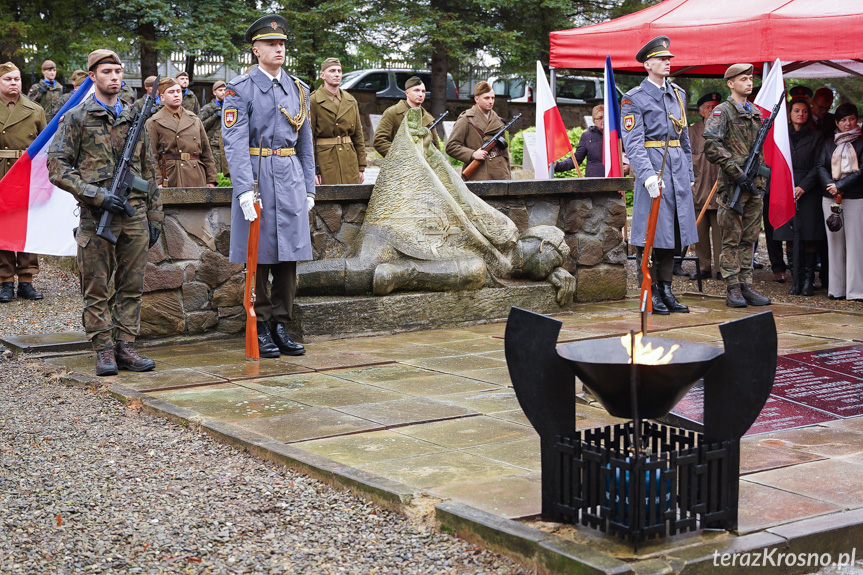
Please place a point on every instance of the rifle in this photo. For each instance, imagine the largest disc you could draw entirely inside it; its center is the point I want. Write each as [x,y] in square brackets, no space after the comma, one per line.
[124,181]
[752,166]
[438,121]
[646,280]
[489,146]
[252,351]
[163,164]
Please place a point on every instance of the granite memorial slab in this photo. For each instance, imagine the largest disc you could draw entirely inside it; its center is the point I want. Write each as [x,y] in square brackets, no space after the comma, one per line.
[835,392]
[846,360]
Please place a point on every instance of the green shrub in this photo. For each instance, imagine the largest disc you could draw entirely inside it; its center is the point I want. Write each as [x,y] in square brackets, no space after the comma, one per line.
[222,181]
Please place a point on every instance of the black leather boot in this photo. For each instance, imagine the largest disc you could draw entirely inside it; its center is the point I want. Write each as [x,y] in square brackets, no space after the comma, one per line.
[129,358]
[669,300]
[733,297]
[752,297]
[106,364]
[658,305]
[27,291]
[809,263]
[678,269]
[283,339]
[266,347]
[7,292]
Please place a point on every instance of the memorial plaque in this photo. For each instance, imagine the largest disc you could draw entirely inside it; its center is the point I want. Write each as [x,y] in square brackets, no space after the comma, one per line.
[845,360]
[819,388]
[528,150]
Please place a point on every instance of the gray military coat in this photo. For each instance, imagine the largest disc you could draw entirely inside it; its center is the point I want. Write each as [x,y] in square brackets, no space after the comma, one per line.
[644,117]
[251,110]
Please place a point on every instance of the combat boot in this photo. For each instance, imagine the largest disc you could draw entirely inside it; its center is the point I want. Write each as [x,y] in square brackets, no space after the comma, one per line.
[106,364]
[27,291]
[266,346]
[733,297]
[752,297]
[283,340]
[7,292]
[669,300]
[129,358]
[809,263]
[658,305]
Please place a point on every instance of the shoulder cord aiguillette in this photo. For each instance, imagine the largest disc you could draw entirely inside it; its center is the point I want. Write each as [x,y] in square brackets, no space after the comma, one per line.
[297,121]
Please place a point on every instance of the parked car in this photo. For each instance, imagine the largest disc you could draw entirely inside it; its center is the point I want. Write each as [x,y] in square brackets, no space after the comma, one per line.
[391,83]
[512,88]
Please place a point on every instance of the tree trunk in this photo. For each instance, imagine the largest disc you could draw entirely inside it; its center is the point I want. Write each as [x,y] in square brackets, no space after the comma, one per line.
[439,65]
[149,56]
[190,68]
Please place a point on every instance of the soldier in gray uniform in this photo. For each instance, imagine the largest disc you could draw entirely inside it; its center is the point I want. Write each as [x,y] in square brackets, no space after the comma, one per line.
[650,113]
[265,113]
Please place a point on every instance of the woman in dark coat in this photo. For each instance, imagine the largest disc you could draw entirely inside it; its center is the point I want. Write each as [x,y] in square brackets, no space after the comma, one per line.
[806,145]
[841,175]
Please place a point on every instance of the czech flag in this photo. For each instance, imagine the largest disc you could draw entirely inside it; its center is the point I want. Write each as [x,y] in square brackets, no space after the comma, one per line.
[35,216]
[552,141]
[612,154]
[777,148]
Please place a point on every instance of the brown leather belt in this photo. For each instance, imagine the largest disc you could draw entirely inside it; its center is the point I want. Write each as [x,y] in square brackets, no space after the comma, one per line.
[338,140]
[11,153]
[184,156]
[266,152]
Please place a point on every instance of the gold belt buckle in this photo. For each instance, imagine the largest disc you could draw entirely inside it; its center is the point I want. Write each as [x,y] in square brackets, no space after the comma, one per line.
[185,156]
[266,152]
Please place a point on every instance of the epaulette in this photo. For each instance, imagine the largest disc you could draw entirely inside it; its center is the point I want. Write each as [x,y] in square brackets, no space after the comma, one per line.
[633,90]
[303,84]
[237,80]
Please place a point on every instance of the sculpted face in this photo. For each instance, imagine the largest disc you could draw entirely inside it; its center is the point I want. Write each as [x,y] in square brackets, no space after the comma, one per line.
[539,251]
[485,102]
[270,53]
[10,84]
[416,95]
[332,76]
[173,97]
[108,78]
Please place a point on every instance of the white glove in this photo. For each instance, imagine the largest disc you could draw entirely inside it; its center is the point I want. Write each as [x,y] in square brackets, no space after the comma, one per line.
[247,204]
[652,184]
[310,203]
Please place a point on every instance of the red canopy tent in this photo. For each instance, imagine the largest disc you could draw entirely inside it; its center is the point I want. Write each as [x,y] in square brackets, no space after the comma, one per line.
[812,38]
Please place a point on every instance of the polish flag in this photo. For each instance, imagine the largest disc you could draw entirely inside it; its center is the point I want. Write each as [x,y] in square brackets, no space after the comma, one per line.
[552,142]
[777,148]
[611,148]
[35,216]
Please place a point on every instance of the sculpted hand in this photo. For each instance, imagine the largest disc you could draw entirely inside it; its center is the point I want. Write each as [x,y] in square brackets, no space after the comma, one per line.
[247,204]
[564,283]
[310,203]
[652,184]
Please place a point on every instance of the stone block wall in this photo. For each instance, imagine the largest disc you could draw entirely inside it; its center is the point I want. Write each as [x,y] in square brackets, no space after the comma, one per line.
[190,287]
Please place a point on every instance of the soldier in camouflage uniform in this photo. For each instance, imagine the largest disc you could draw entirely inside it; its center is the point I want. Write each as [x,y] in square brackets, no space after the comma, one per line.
[81,160]
[211,116]
[190,100]
[728,138]
[47,92]
[75,78]
[148,87]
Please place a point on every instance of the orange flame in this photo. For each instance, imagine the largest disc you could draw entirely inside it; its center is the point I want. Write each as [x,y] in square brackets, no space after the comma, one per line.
[646,354]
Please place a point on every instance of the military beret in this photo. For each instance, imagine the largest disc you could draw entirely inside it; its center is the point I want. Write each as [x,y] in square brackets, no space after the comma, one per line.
[218,84]
[102,56]
[166,83]
[7,67]
[181,74]
[77,77]
[656,48]
[413,81]
[48,64]
[270,27]
[737,69]
[481,88]
[149,81]
[711,97]
[329,63]
[804,91]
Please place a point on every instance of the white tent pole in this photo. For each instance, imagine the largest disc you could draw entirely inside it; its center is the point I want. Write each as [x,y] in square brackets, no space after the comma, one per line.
[766,71]
[553,71]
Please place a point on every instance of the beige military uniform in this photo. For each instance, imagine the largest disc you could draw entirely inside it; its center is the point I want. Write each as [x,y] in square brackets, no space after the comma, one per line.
[389,125]
[340,150]
[19,126]
[465,139]
[183,148]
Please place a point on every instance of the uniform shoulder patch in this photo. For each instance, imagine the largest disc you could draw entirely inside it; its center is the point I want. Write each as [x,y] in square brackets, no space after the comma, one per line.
[628,122]
[230,92]
[230,117]
[626,102]
[717,112]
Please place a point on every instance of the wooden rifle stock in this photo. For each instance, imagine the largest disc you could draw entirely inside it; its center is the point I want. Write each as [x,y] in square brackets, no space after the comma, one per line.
[646,280]
[251,279]
[470,170]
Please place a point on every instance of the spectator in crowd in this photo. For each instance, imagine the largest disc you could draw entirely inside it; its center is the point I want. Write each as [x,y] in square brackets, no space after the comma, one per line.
[823,120]
[842,178]
[190,100]
[47,92]
[415,95]
[590,147]
[706,174]
[211,117]
[806,145]
[180,144]
[470,132]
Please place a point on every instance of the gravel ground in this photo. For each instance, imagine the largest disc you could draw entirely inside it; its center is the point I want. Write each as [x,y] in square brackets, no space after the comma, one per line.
[90,486]
[59,311]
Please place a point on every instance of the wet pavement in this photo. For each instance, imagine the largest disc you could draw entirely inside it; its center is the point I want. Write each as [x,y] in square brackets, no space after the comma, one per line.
[434,412]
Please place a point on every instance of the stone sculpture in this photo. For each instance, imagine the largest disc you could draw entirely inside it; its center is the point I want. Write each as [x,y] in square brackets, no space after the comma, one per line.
[425,230]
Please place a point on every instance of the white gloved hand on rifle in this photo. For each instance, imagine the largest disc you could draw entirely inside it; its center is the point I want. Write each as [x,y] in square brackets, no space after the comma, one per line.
[653,186]
[247,204]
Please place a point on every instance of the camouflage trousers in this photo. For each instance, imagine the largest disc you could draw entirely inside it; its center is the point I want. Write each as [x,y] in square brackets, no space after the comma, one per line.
[739,233]
[112,313]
